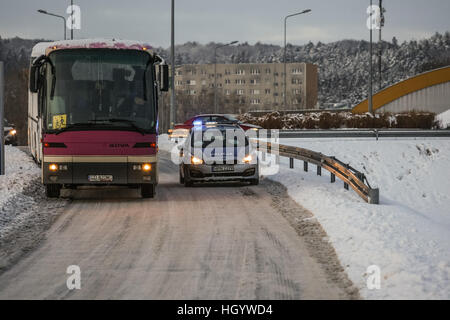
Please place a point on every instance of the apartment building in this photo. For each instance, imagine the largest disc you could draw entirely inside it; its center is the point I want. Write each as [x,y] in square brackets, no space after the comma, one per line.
[255,86]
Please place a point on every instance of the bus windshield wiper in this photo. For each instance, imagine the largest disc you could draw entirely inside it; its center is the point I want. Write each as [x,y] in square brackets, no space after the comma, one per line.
[127,121]
[74,125]
[92,122]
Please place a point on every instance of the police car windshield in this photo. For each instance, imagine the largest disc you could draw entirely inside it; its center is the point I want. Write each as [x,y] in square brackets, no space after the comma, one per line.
[216,138]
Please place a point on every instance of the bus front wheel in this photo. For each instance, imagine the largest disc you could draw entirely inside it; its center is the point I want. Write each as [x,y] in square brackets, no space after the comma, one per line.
[148,190]
[53,190]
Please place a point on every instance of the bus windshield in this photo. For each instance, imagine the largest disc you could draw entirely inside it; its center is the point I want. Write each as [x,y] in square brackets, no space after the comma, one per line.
[100,89]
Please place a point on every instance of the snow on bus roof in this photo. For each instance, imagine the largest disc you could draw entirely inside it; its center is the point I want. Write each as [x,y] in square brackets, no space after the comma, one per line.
[39,48]
[43,47]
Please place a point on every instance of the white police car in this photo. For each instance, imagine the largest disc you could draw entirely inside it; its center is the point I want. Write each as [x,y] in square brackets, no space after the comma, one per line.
[218,152]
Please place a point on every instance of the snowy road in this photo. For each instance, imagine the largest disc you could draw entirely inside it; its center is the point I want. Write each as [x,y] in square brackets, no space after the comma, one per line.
[226,242]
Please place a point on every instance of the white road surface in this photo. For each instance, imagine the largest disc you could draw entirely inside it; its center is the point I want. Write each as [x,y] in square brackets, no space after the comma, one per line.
[206,242]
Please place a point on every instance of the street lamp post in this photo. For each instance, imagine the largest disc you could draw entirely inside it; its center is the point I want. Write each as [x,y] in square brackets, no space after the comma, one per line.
[370,107]
[71,20]
[172,116]
[215,72]
[55,15]
[382,10]
[284,58]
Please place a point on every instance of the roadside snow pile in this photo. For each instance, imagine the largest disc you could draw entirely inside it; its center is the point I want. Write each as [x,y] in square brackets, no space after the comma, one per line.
[407,235]
[444,119]
[25,212]
[20,170]
[23,203]
[164,143]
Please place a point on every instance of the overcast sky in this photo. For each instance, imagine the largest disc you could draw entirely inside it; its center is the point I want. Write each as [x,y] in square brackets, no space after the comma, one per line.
[224,20]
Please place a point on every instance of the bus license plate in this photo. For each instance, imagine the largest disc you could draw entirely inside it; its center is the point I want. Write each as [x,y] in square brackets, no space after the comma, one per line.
[100,178]
[222,168]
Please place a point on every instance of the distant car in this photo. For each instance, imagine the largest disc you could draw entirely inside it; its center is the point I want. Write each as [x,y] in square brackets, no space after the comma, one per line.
[210,153]
[181,130]
[10,133]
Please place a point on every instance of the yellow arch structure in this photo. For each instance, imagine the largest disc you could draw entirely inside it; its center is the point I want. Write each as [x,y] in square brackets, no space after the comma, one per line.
[405,87]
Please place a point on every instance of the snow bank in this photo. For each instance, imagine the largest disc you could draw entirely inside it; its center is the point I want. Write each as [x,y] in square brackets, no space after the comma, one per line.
[19,169]
[407,235]
[164,143]
[444,118]
[25,212]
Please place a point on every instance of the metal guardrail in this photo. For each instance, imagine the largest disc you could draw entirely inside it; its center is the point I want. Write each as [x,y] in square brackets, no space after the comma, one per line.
[350,176]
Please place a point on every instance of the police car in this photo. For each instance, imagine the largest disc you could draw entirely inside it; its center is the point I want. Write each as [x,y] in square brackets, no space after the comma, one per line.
[218,152]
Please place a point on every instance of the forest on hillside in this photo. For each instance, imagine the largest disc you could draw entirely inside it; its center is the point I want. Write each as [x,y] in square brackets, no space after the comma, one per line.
[343,67]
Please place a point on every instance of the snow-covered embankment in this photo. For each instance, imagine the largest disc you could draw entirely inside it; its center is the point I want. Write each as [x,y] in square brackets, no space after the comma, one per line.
[407,235]
[25,212]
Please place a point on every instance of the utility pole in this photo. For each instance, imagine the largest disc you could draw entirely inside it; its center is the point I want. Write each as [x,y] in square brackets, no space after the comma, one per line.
[172,67]
[370,109]
[71,20]
[380,44]
[284,55]
[2,121]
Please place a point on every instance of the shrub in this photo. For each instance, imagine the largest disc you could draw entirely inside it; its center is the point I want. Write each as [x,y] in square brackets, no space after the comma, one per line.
[416,120]
[330,120]
[310,123]
[272,121]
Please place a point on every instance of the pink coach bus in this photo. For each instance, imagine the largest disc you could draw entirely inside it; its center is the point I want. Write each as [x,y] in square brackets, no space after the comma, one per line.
[93,107]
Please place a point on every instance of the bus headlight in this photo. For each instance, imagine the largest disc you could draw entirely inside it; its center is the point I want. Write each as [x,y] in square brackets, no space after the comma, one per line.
[13,132]
[247,159]
[55,167]
[146,167]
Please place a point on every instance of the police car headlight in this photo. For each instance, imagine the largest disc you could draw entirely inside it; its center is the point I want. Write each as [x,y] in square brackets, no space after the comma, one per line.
[195,160]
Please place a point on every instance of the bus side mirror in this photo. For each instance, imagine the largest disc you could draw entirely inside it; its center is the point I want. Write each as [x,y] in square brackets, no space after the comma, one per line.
[34,79]
[164,77]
